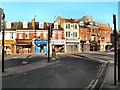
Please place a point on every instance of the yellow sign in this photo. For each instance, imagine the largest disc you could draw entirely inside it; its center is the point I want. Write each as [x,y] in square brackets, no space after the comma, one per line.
[7,41]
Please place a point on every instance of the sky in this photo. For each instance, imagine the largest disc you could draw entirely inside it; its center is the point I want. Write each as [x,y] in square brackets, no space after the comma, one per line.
[48,11]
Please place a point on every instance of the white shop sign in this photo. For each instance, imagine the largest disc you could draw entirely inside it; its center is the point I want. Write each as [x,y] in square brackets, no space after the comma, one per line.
[72,41]
[58,42]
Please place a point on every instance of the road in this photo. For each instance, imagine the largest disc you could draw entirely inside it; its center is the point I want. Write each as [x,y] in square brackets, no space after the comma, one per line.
[73,71]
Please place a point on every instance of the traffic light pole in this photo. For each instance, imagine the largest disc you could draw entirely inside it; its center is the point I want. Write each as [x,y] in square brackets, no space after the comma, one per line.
[115,48]
[49,43]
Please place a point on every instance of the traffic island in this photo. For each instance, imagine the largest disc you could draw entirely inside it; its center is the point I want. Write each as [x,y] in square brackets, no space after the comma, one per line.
[28,67]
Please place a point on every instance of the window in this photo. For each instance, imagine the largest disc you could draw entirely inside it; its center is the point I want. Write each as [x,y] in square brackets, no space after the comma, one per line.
[105,32]
[55,25]
[7,35]
[41,25]
[8,24]
[53,35]
[74,34]
[27,35]
[44,35]
[92,30]
[84,30]
[20,35]
[75,26]
[25,24]
[67,26]
[92,38]
[105,38]
[38,34]
[87,20]
[89,30]
[11,35]
[67,34]
[59,36]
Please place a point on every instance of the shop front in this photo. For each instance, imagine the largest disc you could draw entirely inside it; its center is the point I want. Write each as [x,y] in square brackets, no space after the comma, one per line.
[85,46]
[23,46]
[58,45]
[40,46]
[8,46]
[72,46]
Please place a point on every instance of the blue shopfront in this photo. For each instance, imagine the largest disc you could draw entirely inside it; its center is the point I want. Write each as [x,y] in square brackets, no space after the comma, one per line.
[41,46]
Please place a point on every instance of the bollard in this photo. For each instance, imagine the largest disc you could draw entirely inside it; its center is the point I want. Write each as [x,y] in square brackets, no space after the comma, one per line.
[53,55]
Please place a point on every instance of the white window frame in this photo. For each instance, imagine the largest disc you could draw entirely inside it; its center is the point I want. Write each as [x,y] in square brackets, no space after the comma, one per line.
[20,35]
[75,27]
[55,25]
[25,24]
[53,35]
[68,34]
[67,25]
[41,25]
[38,34]
[27,33]
[11,35]
[44,35]
[8,24]
[74,34]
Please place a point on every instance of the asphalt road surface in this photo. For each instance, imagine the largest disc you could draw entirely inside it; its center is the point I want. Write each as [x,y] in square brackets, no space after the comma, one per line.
[72,72]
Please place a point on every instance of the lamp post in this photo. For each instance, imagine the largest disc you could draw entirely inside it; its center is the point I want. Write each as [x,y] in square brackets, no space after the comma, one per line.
[3,29]
[49,28]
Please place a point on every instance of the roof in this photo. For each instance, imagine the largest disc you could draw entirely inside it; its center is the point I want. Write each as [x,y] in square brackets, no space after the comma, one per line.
[13,26]
[46,24]
[71,20]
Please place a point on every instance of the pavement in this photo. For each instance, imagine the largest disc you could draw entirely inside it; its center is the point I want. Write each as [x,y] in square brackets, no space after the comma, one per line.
[108,82]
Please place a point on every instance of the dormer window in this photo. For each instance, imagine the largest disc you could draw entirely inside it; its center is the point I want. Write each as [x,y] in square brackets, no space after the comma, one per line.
[25,24]
[41,25]
[81,23]
[8,24]
[55,25]
[91,23]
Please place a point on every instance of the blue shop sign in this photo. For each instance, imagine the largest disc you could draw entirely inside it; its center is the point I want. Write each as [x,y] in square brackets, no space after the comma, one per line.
[41,41]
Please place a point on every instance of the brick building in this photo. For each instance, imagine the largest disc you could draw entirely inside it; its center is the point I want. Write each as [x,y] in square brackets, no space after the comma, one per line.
[9,39]
[96,34]
[32,37]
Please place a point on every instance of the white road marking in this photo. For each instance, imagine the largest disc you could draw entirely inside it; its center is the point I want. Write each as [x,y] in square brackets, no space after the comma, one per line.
[75,56]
